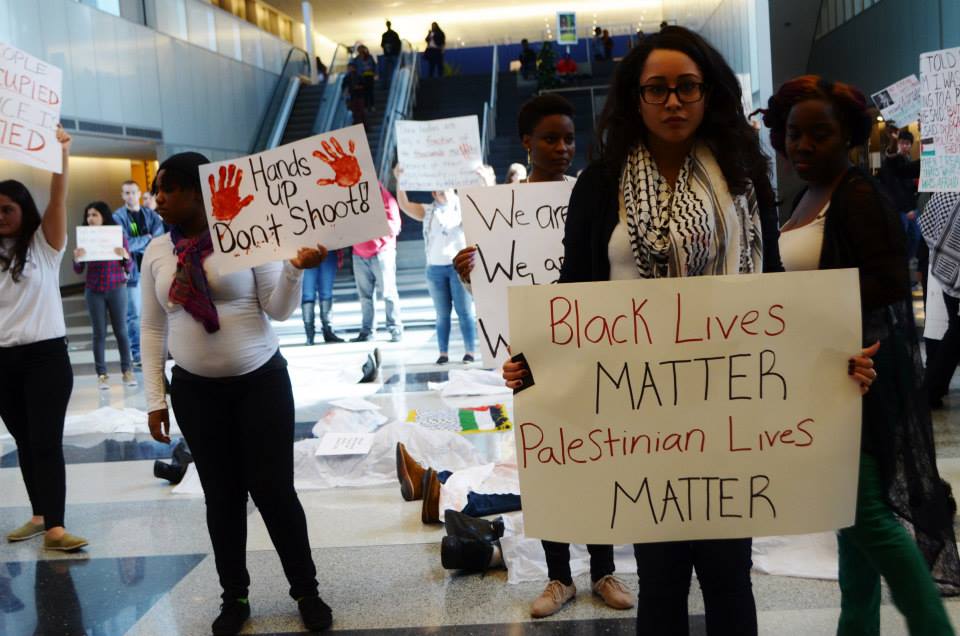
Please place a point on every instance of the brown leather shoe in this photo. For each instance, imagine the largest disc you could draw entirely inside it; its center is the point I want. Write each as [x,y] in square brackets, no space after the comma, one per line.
[430,513]
[409,474]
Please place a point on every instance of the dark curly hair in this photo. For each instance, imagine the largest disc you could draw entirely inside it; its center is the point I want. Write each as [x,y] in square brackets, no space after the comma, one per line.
[15,260]
[535,109]
[103,209]
[724,129]
[850,106]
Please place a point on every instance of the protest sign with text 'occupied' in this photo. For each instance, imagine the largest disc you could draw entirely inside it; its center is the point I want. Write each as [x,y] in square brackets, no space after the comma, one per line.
[518,231]
[265,207]
[30,100]
[689,408]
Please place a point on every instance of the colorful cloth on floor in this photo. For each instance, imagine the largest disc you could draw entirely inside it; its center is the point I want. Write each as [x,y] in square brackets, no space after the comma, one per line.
[482,419]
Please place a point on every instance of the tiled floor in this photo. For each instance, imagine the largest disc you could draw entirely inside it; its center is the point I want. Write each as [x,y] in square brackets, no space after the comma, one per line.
[149,569]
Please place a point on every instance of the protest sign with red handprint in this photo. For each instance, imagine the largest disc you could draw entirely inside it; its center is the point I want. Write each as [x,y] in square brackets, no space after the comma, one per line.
[345,166]
[225,201]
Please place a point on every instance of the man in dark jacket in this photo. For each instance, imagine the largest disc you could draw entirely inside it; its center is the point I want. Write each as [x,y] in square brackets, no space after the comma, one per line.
[390,44]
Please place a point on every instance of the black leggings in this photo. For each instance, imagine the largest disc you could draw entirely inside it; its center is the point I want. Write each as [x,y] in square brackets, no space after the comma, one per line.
[723,570]
[35,385]
[558,561]
[240,431]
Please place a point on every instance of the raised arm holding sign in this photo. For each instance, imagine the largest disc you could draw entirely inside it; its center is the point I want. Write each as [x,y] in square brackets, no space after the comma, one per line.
[30,91]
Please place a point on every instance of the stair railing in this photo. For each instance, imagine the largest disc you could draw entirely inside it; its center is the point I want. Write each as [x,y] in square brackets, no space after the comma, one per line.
[275,117]
[489,124]
[399,106]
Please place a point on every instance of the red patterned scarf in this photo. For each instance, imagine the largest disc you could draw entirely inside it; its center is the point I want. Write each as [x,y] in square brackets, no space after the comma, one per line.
[190,288]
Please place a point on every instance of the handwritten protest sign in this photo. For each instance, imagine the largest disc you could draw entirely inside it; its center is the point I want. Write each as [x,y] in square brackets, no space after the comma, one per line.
[900,102]
[264,207]
[335,444]
[30,99]
[940,121]
[439,154]
[518,231]
[99,242]
[693,408]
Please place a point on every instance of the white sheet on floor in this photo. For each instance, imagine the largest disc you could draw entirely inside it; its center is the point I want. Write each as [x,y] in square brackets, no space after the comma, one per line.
[378,468]
[90,429]
[470,382]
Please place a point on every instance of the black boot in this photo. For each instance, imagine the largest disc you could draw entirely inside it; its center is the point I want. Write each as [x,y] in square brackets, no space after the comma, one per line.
[177,468]
[308,321]
[465,554]
[329,335]
[467,527]
[233,614]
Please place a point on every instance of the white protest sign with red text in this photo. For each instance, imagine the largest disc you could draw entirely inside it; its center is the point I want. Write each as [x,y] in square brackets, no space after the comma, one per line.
[30,100]
[265,207]
[690,408]
[518,231]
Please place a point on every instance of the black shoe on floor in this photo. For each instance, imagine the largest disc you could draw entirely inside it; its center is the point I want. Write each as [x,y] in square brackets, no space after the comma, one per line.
[467,358]
[316,614]
[363,336]
[443,360]
[233,614]
[457,553]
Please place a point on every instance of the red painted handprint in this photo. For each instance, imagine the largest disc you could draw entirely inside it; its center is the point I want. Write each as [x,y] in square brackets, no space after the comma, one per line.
[225,199]
[345,166]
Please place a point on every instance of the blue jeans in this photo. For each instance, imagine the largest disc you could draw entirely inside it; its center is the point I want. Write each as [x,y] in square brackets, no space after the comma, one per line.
[318,281]
[378,274]
[479,505]
[446,289]
[133,320]
[98,303]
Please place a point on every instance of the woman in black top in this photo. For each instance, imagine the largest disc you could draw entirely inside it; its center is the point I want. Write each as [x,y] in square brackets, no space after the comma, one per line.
[680,168]
[815,123]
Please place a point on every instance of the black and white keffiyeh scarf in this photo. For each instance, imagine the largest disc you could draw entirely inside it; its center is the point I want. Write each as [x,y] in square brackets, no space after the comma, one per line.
[940,226]
[696,229]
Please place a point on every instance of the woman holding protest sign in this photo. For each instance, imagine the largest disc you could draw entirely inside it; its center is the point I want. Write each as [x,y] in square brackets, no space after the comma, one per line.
[36,378]
[841,220]
[547,133]
[230,389]
[106,291]
[679,167]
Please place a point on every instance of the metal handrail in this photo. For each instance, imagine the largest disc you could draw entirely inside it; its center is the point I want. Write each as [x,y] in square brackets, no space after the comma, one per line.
[297,63]
[400,106]
[343,51]
[489,123]
[592,89]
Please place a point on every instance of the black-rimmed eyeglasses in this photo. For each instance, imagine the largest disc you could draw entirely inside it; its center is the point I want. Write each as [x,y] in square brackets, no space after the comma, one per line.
[686,92]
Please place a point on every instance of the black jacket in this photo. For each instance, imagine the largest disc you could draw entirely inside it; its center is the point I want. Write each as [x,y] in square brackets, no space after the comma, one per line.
[594,213]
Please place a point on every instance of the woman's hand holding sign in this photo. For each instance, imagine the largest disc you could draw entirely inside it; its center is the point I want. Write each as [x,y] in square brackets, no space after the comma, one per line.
[308,257]
[345,166]
[225,199]
[860,368]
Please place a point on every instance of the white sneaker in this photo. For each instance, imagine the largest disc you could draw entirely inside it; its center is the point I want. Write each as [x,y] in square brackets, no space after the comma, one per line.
[103,382]
[129,379]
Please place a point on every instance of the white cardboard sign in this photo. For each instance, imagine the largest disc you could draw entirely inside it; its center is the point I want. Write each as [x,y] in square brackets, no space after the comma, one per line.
[900,102]
[99,242]
[439,154]
[30,100]
[264,207]
[940,121]
[518,231]
[692,408]
[335,444]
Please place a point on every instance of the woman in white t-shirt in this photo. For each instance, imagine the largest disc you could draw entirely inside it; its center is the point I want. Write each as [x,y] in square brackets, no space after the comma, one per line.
[443,238]
[35,374]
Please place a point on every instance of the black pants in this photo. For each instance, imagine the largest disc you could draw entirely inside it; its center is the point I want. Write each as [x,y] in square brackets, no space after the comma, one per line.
[240,431]
[941,365]
[558,561]
[35,385]
[723,569]
[434,62]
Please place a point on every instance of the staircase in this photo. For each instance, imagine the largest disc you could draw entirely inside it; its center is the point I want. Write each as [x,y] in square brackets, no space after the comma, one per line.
[304,113]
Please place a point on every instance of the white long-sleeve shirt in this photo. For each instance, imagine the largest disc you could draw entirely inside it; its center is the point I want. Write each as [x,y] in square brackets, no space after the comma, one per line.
[244,301]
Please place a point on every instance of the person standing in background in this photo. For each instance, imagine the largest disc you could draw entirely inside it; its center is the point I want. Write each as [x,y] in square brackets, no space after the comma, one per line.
[318,288]
[390,45]
[367,67]
[436,42]
[140,225]
[375,269]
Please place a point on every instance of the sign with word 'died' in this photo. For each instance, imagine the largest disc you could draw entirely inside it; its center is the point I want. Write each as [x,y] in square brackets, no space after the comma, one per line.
[30,99]
[439,154]
[518,231]
[940,121]
[265,207]
[692,408]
